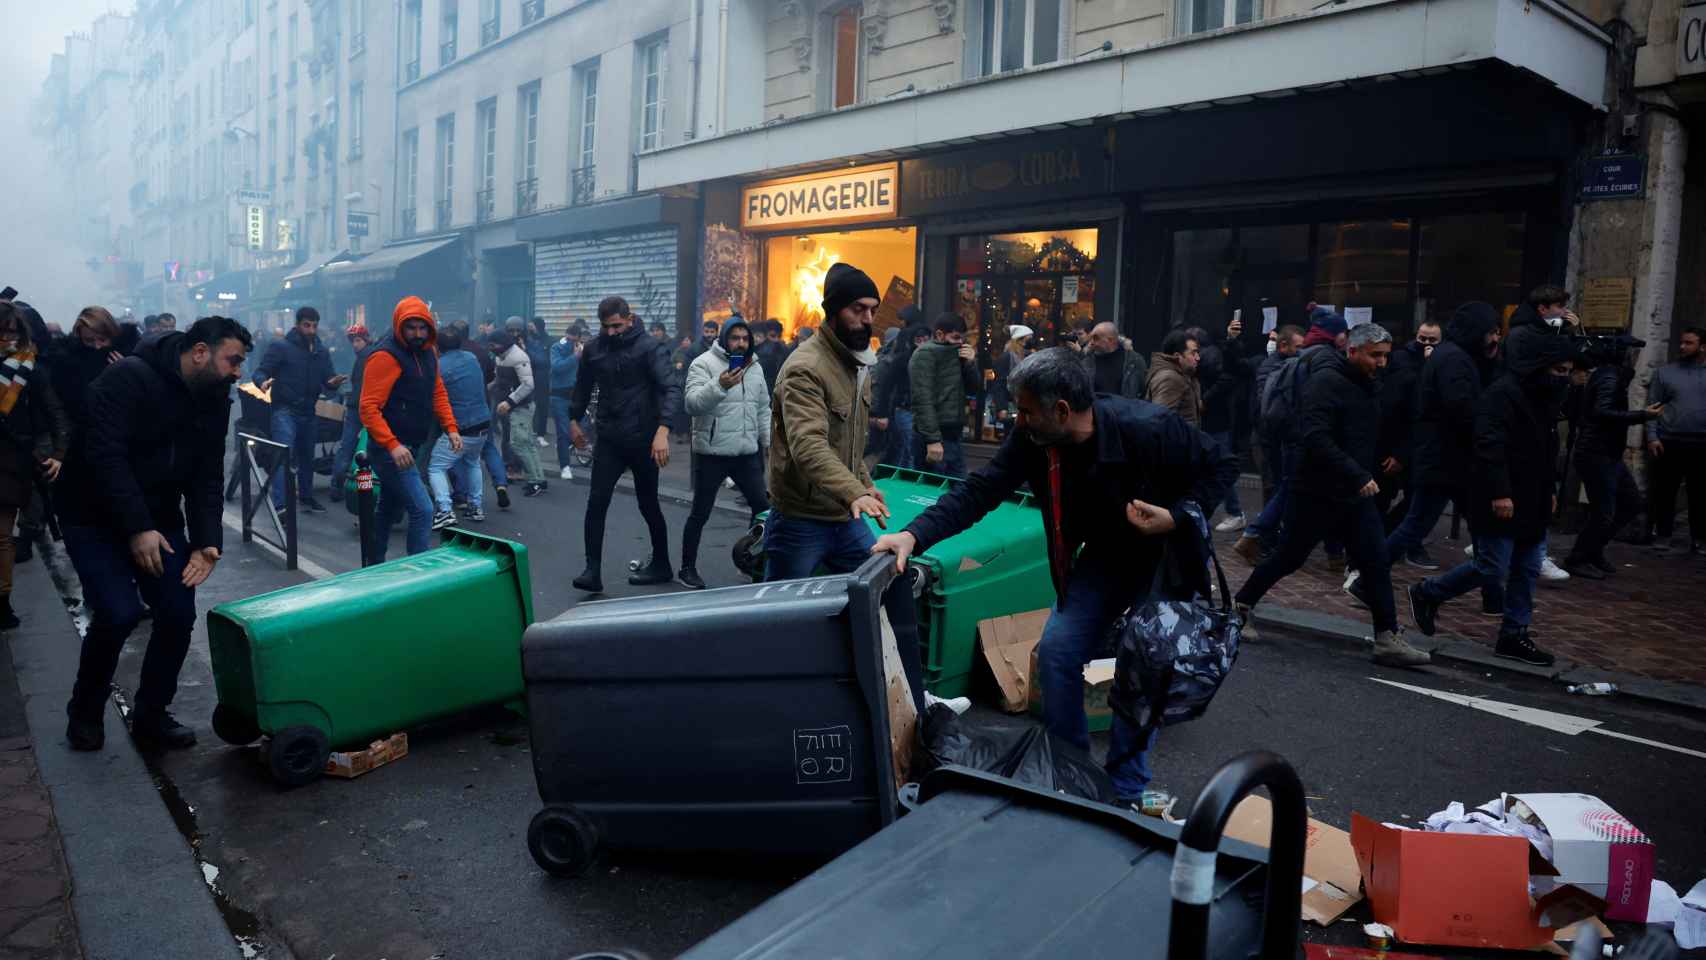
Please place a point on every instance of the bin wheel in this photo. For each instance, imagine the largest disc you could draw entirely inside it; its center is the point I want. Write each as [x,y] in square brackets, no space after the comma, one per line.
[235,727]
[562,841]
[298,755]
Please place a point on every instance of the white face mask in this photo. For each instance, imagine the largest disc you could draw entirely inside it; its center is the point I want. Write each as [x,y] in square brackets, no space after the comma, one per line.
[1554,322]
[1273,346]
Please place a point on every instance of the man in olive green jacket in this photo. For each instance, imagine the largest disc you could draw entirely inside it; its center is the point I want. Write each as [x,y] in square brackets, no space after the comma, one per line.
[943,375]
[820,489]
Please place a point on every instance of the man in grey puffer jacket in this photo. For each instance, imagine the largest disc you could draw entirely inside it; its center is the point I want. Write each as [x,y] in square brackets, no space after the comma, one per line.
[730,405]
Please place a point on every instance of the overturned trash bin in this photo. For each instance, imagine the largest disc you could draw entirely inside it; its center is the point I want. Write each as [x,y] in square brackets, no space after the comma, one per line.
[985,867]
[341,662]
[752,719]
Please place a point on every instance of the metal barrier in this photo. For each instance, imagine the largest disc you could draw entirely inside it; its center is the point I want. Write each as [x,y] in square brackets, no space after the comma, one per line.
[249,450]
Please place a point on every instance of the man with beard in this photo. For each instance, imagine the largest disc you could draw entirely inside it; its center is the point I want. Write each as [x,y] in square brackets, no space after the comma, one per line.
[1113,477]
[820,489]
[638,397]
[142,517]
[296,371]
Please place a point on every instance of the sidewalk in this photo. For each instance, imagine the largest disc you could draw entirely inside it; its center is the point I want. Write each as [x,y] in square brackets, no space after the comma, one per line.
[36,920]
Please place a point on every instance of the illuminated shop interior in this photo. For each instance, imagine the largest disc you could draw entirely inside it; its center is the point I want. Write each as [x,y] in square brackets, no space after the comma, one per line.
[796,264]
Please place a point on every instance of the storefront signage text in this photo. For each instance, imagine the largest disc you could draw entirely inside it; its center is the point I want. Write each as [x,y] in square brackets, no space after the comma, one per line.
[1620,176]
[1048,167]
[1691,40]
[841,196]
[257,227]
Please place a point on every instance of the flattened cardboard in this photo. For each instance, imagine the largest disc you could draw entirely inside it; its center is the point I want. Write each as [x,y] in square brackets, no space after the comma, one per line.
[1007,643]
[903,712]
[1332,881]
[1597,849]
[1098,683]
[354,763]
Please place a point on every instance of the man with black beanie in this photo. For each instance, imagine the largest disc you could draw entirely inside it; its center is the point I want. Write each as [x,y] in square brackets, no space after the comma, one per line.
[820,489]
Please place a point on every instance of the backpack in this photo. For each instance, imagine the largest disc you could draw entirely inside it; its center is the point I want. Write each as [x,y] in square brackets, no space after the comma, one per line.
[1282,396]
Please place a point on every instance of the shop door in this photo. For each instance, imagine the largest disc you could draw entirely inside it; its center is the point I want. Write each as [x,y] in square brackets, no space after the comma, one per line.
[1032,301]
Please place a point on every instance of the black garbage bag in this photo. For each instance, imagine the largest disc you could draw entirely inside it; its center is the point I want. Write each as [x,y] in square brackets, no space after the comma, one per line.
[1027,754]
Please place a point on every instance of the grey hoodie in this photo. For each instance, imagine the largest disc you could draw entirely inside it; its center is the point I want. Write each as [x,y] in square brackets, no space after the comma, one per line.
[1681,387]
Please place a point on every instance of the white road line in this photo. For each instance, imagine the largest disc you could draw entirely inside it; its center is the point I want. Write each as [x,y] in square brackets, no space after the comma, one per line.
[234,523]
[1557,722]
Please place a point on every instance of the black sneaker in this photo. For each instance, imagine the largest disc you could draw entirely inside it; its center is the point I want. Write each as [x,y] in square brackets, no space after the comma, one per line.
[1604,566]
[533,490]
[8,619]
[312,505]
[1582,568]
[161,730]
[1423,609]
[1517,646]
[652,576]
[443,519]
[1358,591]
[690,578]
[503,498]
[86,733]
[590,581]
[1421,559]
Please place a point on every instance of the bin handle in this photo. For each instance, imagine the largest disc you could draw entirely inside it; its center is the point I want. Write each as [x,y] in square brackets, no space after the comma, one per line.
[1193,857]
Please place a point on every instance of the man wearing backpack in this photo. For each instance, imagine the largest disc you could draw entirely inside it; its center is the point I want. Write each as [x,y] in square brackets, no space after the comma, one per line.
[1113,477]
[1335,486]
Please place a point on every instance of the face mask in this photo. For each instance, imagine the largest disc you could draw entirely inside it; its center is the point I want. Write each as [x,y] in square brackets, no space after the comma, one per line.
[1273,347]
[1554,322]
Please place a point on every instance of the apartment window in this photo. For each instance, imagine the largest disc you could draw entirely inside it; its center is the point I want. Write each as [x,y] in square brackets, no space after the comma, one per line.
[411,170]
[486,130]
[290,143]
[272,58]
[357,27]
[290,68]
[1195,16]
[1019,33]
[588,145]
[532,11]
[412,41]
[653,57]
[447,33]
[488,21]
[357,111]
[527,150]
[444,183]
[844,53]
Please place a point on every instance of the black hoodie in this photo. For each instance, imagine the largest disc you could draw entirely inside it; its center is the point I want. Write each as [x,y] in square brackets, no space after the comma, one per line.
[1451,381]
[152,453]
[1516,439]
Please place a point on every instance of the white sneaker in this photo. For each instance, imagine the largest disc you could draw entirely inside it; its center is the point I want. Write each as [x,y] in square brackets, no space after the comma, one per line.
[1350,580]
[1553,572]
[728,483]
[1230,524]
[568,473]
[1469,551]
[957,704]
[543,442]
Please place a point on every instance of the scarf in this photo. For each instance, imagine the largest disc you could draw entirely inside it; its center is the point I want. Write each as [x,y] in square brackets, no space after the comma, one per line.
[15,371]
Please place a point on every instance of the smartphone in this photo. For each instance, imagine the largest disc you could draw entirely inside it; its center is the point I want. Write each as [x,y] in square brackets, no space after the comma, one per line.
[737,361]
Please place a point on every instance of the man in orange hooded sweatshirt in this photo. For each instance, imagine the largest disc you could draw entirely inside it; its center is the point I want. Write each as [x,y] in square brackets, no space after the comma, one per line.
[401,394]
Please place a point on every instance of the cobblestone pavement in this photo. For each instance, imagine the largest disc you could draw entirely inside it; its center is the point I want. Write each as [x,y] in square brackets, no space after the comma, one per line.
[35,886]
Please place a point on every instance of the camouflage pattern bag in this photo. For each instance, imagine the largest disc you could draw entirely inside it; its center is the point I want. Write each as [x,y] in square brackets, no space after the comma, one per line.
[1171,656]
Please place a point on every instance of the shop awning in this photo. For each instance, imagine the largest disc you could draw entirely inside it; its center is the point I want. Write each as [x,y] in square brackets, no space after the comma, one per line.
[381,265]
[306,271]
[227,288]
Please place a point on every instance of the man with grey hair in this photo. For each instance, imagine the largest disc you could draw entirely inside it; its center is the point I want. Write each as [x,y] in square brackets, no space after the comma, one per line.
[1113,477]
[1334,486]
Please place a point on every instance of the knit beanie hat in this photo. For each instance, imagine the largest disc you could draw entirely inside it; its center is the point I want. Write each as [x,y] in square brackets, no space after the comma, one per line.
[844,284]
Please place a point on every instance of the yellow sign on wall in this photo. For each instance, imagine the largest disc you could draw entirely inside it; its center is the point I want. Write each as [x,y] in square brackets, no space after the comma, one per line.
[1607,303]
[854,195]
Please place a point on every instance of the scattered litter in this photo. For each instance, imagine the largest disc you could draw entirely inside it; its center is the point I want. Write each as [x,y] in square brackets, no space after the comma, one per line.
[1379,935]
[414,824]
[1691,919]
[1601,689]
[1490,819]
[378,754]
[1330,876]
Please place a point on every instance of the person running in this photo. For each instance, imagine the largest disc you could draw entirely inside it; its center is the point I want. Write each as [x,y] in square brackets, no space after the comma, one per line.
[565,358]
[297,370]
[514,386]
[464,385]
[730,405]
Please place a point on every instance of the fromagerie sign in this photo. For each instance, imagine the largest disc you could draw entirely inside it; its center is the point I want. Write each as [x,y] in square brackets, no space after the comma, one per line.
[853,195]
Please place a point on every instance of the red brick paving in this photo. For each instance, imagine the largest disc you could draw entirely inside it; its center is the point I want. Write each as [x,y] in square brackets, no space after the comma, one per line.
[35,887]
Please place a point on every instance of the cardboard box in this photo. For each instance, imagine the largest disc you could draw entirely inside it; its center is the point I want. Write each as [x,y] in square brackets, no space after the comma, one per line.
[1098,683]
[378,754]
[1459,889]
[1007,644]
[1596,849]
[1332,883]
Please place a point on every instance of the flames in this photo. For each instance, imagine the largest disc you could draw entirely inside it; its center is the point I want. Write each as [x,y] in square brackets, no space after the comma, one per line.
[808,288]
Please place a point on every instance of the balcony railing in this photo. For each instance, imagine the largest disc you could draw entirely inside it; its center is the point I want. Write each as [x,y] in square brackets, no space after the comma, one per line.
[485,204]
[532,11]
[526,196]
[441,215]
[583,184]
[357,44]
[407,228]
[412,71]
[447,52]
[489,32]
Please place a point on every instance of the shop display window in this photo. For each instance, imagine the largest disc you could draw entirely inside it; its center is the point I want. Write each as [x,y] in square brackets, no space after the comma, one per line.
[796,264]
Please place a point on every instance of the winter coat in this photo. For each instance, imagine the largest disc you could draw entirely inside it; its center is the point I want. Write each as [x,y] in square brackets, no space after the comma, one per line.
[1143,451]
[37,429]
[1134,372]
[1681,387]
[818,420]
[464,385]
[638,391]
[1172,386]
[941,381]
[1602,417]
[72,367]
[153,452]
[565,365]
[1220,376]
[771,355]
[1398,407]
[891,381]
[727,423]
[514,381]
[1516,441]
[1338,429]
[1446,392]
[1264,369]
[401,391]
[298,368]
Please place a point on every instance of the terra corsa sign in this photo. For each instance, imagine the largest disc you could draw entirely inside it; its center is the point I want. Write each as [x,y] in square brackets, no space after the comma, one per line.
[853,195]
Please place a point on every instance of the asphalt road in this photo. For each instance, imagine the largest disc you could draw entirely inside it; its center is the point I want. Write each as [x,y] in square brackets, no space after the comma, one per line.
[427,858]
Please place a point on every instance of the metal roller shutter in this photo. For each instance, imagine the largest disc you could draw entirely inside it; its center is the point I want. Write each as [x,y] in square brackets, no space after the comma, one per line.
[572,276]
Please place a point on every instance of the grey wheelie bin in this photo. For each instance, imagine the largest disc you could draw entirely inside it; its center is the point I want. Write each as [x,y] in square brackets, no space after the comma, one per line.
[985,867]
[750,719]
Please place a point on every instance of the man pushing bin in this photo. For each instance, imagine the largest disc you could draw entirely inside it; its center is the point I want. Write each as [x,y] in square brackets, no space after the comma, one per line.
[1112,476]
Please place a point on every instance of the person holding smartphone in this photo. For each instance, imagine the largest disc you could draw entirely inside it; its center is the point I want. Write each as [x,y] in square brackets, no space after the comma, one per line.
[730,405]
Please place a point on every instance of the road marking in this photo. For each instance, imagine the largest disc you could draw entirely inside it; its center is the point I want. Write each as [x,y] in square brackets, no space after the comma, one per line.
[1558,722]
[234,523]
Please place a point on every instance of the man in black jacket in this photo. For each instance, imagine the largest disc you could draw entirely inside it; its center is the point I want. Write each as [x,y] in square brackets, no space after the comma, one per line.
[770,350]
[1514,493]
[1222,374]
[1397,448]
[1334,486]
[145,515]
[638,396]
[297,370]
[891,391]
[1112,477]
[1602,425]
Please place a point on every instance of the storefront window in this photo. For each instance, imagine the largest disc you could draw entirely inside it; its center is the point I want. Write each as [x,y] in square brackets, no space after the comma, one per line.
[1475,256]
[1362,268]
[796,264]
[1260,271]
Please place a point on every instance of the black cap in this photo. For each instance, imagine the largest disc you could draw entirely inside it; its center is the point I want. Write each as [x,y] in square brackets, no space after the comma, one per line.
[844,284]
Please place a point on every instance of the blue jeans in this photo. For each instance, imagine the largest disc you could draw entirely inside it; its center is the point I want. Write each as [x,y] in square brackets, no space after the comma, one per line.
[1266,526]
[1615,500]
[1231,504]
[296,432]
[465,466]
[403,492]
[347,442]
[1096,593]
[1497,561]
[115,589]
[953,462]
[560,422]
[795,548]
[1427,505]
[900,439]
[492,455]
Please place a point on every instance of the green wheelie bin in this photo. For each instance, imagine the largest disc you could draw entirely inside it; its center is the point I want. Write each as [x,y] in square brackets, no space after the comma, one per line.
[340,662]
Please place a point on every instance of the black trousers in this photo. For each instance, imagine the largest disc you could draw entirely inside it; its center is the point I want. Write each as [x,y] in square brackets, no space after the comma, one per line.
[1613,499]
[747,470]
[610,458]
[1681,463]
[1309,520]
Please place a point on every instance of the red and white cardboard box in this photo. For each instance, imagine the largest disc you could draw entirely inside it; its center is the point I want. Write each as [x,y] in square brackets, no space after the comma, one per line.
[1597,849]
